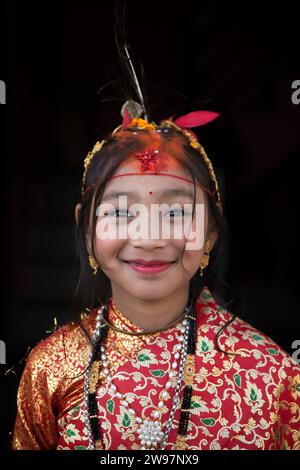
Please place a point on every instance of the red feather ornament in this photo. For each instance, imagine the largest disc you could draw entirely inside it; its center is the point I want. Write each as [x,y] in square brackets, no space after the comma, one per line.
[196,118]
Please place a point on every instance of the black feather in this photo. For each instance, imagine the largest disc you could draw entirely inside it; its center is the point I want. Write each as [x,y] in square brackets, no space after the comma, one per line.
[131,82]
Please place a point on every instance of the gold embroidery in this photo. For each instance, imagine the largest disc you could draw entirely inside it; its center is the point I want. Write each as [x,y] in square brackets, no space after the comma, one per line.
[52,387]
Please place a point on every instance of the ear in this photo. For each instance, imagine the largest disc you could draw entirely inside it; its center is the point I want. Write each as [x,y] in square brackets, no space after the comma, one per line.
[77,212]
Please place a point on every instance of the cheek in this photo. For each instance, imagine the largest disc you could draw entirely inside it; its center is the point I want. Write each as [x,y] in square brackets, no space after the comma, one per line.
[195,232]
[107,244]
[190,257]
[106,249]
[191,260]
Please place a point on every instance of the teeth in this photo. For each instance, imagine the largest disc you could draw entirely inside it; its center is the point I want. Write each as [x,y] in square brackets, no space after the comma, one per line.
[156,264]
[147,265]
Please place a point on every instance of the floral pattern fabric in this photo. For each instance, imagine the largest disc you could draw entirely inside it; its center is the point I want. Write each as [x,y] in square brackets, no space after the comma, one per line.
[247,400]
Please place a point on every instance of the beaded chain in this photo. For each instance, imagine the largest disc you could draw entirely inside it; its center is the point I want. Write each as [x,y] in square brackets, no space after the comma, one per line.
[97,358]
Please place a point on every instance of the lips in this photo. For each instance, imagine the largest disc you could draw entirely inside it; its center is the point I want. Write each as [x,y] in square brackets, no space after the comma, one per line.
[144,267]
[141,262]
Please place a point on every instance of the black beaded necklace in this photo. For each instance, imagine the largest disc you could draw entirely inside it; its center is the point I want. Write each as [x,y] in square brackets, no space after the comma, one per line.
[93,372]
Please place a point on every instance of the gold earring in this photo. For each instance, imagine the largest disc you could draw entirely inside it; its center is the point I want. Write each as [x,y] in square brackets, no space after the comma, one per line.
[93,264]
[205,258]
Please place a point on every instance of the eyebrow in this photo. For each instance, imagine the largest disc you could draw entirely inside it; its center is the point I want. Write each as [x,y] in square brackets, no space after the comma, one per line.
[166,192]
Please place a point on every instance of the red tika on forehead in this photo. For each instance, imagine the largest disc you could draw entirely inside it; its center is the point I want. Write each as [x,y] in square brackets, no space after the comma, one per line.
[151,160]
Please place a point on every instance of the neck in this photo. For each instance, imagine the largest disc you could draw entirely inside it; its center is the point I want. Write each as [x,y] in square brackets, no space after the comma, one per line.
[151,314]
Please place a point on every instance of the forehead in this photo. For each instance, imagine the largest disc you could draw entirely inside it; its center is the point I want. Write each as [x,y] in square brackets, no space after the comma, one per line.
[154,168]
[138,187]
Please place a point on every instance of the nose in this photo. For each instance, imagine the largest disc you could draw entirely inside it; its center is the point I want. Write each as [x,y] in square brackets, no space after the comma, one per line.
[151,233]
[148,244]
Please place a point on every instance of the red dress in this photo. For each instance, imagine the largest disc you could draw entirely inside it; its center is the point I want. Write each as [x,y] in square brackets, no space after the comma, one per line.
[250,400]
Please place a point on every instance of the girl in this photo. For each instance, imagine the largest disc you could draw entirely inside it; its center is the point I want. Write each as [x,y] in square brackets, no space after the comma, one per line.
[158,362]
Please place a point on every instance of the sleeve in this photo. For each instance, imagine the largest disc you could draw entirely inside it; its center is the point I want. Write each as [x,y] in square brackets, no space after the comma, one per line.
[35,423]
[287,431]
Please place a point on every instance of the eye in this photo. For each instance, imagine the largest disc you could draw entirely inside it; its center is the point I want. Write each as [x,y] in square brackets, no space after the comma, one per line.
[177,212]
[117,212]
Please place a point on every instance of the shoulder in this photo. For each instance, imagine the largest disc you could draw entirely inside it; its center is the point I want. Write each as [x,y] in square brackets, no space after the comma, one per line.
[237,336]
[65,350]
[255,343]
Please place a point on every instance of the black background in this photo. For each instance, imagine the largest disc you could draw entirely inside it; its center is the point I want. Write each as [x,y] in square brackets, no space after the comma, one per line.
[239,61]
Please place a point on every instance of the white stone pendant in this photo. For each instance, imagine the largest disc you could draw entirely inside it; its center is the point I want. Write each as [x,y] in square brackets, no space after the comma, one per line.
[150,434]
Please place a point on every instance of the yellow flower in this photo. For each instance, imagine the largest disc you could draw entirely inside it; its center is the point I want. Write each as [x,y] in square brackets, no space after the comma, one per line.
[141,123]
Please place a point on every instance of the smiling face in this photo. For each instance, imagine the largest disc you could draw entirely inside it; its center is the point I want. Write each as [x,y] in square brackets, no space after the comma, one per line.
[113,254]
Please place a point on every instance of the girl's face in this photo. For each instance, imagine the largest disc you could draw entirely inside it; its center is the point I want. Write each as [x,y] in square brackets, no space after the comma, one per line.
[114,253]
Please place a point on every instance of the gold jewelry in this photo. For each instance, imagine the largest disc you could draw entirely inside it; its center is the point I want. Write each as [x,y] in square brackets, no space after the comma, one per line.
[140,333]
[98,145]
[180,443]
[205,258]
[93,264]
[189,370]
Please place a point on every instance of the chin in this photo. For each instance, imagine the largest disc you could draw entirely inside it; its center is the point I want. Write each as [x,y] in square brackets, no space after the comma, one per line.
[149,294]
